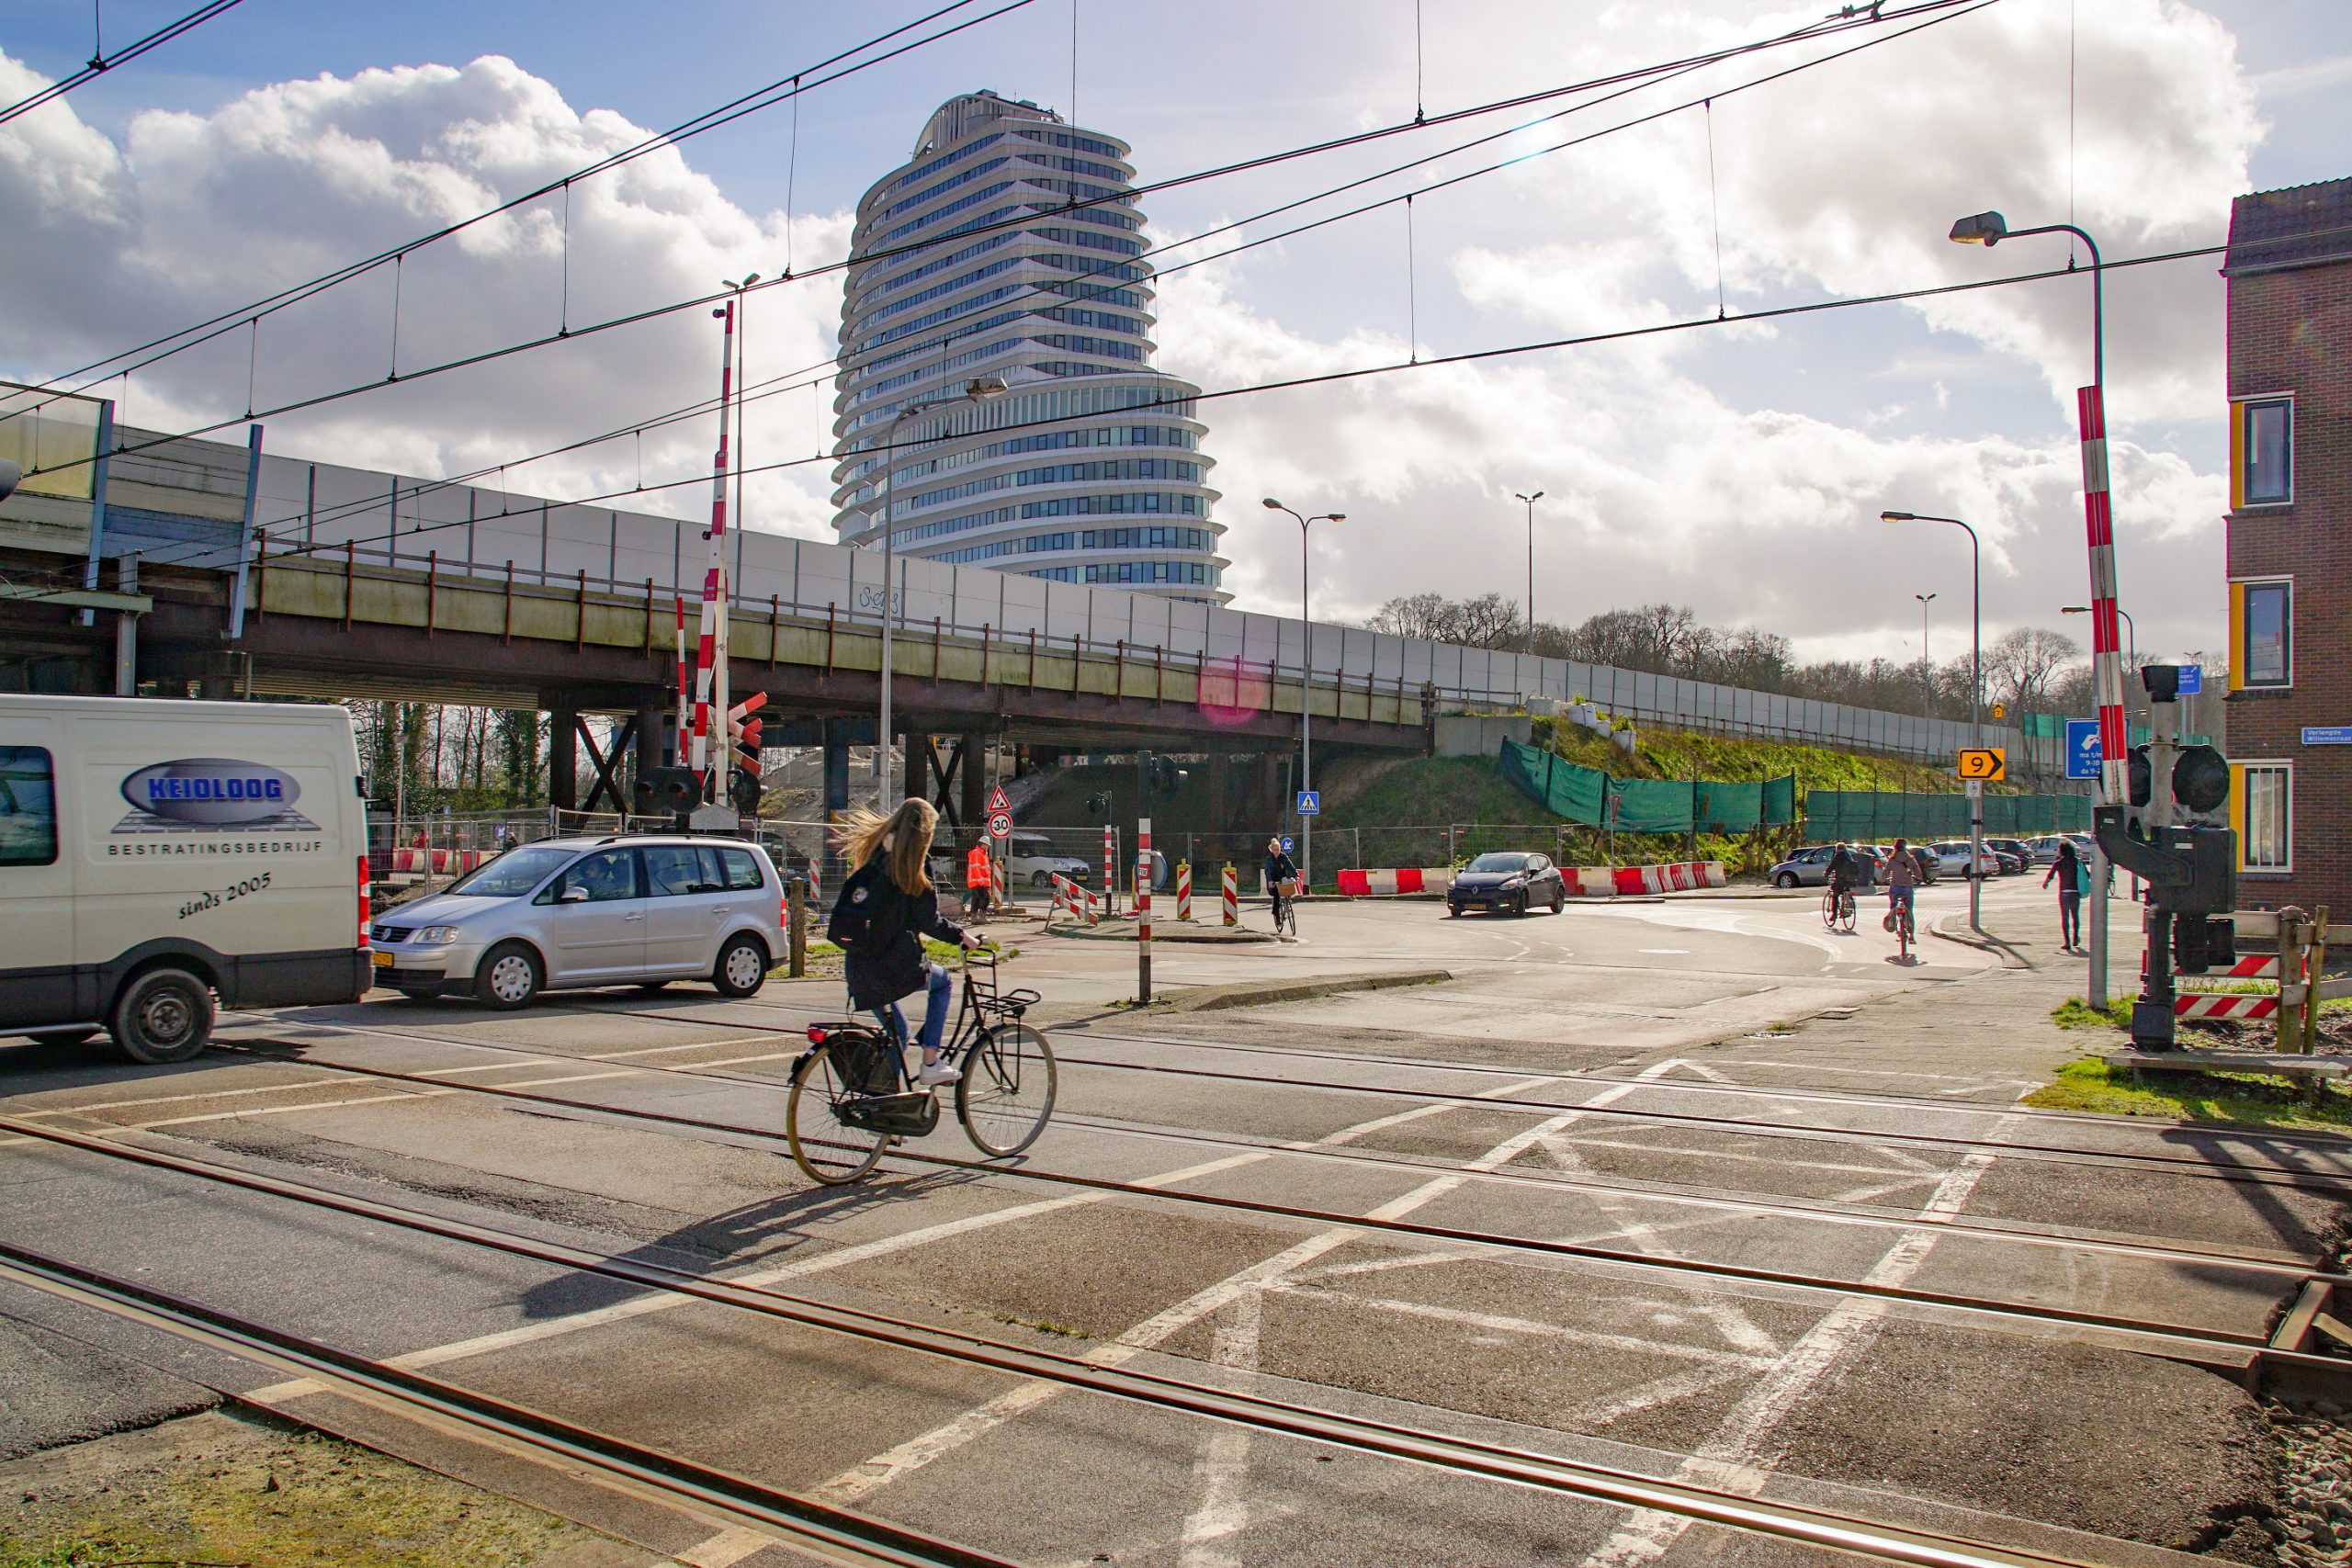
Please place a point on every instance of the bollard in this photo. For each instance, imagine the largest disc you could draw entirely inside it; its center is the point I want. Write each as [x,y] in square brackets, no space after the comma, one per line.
[796,925]
[1110,864]
[1143,910]
[1184,890]
[1232,896]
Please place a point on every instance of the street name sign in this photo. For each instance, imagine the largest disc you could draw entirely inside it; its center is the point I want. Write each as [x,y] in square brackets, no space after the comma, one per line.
[2328,735]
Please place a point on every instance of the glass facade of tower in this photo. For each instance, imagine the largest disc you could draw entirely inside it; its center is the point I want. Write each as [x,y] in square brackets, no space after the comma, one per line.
[970,261]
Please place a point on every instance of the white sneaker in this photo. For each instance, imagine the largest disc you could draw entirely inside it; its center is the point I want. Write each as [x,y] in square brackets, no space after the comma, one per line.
[936,1074]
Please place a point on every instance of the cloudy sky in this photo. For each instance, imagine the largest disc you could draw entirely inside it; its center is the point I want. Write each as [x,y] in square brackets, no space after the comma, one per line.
[1739,467]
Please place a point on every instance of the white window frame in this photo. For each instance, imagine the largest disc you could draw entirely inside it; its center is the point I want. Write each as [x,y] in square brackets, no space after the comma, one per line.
[2286,770]
[2247,681]
[2245,446]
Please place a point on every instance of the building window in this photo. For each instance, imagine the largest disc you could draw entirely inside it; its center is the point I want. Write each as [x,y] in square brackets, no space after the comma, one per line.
[2264,802]
[2262,615]
[28,806]
[2262,442]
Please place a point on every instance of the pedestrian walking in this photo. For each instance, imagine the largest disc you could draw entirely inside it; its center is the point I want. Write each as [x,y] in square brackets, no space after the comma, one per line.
[2073,879]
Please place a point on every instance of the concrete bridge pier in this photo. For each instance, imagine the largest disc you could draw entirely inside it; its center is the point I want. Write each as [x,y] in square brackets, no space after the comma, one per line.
[563,755]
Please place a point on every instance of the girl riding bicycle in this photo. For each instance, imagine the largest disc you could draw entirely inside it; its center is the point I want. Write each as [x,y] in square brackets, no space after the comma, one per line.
[884,908]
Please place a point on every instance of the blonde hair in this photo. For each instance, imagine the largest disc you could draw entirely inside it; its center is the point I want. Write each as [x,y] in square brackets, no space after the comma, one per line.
[904,836]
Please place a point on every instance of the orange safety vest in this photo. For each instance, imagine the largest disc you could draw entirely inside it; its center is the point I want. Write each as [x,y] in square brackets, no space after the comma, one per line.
[976,867]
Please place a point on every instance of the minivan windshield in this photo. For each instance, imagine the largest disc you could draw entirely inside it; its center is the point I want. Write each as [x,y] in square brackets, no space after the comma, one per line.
[1499,863]
[513,873]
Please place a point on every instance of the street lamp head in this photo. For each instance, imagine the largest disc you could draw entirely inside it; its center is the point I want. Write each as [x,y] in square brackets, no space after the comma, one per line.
[1333,517]
[1531,499]
[1898,517]
[983,386]
[2073,609]
[1987,228]
[1923,598]
[1272,505]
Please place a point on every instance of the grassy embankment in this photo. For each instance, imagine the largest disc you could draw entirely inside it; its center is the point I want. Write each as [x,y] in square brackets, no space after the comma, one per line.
[2259,1099]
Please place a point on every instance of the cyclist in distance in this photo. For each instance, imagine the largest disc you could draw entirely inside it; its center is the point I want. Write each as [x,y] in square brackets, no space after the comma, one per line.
[1844,867]
[1902,883]
[1280,869]
[885,906]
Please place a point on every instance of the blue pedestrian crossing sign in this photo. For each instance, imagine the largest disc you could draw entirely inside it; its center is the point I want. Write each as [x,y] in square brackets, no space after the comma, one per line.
[1310,802]
[2083,752]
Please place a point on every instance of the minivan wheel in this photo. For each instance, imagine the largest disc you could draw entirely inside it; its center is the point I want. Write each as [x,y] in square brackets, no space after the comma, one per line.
[742,966]
[1786,879]
[509,977]
[164,1015]
[1041,879]
[61,1037]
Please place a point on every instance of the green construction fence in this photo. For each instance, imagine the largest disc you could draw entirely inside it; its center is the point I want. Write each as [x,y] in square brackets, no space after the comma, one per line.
[1598,799]
[1876,816]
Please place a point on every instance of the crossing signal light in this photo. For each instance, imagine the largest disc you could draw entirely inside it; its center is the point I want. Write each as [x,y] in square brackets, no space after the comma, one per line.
[2200,778]
[743,742]
[1163,778]
[671,792]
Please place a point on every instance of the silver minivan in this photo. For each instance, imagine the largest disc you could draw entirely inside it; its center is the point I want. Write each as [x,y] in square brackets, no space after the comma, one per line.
[641,909]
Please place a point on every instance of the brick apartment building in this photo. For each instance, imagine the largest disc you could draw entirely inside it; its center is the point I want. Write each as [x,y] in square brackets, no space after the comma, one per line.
[2289,543]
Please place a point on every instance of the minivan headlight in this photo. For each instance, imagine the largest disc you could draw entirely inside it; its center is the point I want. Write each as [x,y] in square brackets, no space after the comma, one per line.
[437,936]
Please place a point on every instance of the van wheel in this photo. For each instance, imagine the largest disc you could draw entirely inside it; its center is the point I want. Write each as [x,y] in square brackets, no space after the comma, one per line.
[742,967]
[1786,879]
[1041,879]
[509,977]
[61,1037]
[164,1015]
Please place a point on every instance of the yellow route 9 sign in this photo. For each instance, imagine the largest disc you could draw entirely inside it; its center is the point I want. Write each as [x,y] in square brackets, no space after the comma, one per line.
[1989,764]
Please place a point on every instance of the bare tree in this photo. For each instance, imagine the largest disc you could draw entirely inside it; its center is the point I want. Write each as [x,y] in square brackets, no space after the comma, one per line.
[2025,667]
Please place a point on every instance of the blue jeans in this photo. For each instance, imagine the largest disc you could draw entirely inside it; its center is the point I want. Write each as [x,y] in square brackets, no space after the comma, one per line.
[938,987]
[1901,898]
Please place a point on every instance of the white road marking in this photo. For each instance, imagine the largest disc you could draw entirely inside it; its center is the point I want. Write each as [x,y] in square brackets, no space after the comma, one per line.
[726,1549]
[1501,1324]
[1731,1457]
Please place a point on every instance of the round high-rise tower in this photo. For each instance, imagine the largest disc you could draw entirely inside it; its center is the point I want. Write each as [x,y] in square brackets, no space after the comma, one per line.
[969,261]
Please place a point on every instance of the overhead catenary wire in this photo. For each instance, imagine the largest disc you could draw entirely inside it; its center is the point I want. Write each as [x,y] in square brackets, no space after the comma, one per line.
[1827,28]
[101,63]
[951,332]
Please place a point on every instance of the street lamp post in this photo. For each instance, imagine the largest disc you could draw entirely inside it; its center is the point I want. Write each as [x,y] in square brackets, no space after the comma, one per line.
[1927,662]
[1531,501]
[979,390]
[1975,694]
[1989,228]
[1305,687]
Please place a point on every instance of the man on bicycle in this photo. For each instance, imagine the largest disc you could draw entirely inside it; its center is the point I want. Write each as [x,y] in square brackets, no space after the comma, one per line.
[1281,875]
[1845,867]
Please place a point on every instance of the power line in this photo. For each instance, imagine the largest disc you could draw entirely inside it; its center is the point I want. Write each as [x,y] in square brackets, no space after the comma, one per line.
[1369,372]
[780,90]
[1833,24]
[790,382]
[100,63]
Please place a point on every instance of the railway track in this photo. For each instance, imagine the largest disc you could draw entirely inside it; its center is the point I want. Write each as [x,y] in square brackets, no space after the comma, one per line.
[2231,1352]
[856,1538]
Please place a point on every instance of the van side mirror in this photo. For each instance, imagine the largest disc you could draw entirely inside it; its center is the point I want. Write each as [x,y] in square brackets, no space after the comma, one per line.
[572,896]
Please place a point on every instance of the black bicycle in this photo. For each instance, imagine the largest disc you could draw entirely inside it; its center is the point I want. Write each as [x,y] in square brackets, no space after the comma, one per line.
[852,1096]
[1285,911]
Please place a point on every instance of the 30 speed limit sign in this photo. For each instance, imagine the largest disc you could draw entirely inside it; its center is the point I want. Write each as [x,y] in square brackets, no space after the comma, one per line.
[1987,765]
[999,825]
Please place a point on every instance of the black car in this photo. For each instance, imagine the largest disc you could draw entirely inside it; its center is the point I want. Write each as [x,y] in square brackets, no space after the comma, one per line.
[1507,881]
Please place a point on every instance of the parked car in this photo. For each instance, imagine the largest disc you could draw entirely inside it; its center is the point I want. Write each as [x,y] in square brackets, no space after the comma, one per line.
[1031,858]
[1952,859]
[2015,854]
[1507,881]
[1809,867]
[2045,849]
[641,909]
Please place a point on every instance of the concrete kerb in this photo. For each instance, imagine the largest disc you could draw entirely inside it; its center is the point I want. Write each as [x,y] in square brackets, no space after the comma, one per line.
[1953,928]
[1258,993]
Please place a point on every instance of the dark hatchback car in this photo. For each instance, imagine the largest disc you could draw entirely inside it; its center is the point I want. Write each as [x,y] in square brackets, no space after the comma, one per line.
[1507,882]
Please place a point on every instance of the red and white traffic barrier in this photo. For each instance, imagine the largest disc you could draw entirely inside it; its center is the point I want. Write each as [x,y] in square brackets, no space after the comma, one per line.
[1232,896]
[1184,890]
[1403,879]
[1080,903]
[437,863]
[2206,1004]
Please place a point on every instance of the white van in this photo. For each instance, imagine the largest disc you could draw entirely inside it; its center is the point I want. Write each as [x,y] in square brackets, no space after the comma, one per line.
[154,854]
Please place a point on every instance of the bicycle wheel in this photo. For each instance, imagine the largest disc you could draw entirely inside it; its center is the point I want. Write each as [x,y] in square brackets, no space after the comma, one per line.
[1007,1090]
[1846,914]
[1829,910]
[829,1149]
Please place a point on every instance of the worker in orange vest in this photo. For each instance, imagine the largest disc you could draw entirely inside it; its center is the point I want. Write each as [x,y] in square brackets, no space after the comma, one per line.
[979,881]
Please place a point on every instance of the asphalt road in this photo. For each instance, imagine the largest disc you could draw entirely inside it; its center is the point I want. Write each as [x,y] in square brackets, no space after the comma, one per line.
[1617,1078]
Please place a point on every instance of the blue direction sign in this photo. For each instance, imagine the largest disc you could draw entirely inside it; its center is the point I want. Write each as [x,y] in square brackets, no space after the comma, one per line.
[2192,680]
[2083,752]
[1287,846]
[2328,735]
[1310,802]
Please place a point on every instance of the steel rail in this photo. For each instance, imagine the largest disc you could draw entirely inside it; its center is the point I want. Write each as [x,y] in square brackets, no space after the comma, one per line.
[837,1535]
[2202,1345]
[2279,1263]
[1603,1483]
[2177,1164]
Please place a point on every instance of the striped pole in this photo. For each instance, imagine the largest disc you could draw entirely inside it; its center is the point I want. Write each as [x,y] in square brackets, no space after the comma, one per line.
[1143,911]
[1110,867]
[1232,893]
[710,649]
[1184,890]
[2106,665]
[686,686]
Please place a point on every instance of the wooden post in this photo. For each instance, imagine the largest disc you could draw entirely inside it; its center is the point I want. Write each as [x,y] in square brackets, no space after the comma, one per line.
[2314,965]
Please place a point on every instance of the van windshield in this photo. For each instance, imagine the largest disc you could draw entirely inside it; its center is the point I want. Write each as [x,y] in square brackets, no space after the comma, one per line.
[513,873]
